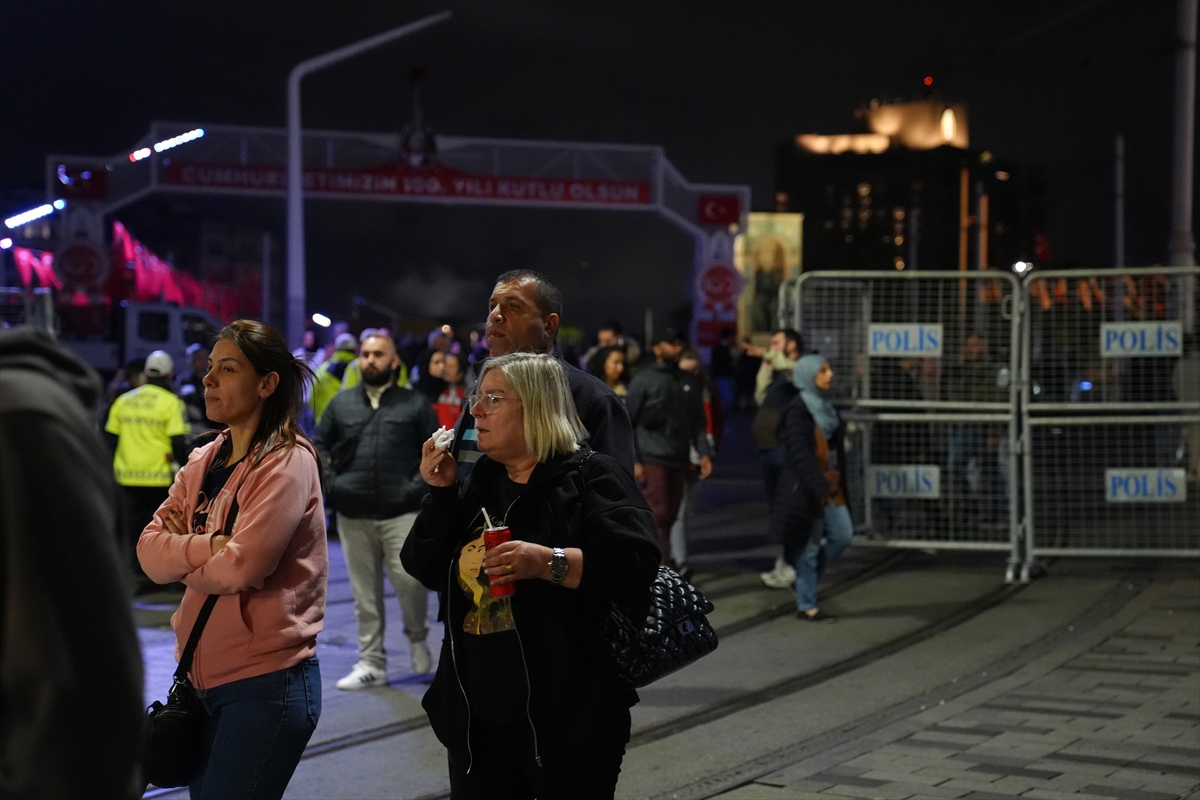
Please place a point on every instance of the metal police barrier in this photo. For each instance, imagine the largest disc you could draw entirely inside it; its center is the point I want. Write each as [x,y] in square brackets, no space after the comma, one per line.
[925,366]
[1111,414]
[24,306]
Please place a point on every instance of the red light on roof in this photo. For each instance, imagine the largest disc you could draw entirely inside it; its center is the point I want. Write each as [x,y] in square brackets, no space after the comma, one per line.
[928,80]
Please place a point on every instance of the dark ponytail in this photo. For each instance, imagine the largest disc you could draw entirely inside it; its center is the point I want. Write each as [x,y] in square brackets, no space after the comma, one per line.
[267,351]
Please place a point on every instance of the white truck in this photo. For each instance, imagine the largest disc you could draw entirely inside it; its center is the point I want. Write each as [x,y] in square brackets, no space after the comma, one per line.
[107,337]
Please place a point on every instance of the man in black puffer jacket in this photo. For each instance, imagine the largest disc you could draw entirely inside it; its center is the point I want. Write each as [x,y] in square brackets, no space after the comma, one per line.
[370,438]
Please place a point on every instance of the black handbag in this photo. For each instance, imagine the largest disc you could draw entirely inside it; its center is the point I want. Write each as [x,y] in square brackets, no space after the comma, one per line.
[171,747]
[673,633]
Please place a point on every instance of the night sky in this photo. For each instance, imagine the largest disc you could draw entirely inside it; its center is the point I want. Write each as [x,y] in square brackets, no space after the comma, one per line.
[718,85]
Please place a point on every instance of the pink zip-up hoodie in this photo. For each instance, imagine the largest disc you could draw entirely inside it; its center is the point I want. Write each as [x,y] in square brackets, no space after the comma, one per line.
[271,576]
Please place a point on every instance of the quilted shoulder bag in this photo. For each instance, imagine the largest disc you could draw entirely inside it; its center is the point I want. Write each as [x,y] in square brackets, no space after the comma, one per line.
[672,633]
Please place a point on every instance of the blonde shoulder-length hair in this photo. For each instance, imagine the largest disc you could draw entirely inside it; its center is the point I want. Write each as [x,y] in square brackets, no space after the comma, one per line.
[539,381]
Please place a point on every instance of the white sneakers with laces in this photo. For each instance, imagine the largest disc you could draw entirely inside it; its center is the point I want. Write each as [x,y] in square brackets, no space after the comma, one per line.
[783,576]
[363,676]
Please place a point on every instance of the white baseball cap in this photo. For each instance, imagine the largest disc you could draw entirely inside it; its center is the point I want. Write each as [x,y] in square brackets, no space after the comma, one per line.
[159,364]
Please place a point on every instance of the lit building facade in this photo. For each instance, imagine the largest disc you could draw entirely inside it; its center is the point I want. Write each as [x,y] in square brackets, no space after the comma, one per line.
[908,193]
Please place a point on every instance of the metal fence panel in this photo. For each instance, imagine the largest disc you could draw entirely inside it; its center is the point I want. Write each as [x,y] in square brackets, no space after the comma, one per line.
[921,483]
[914,339]
[1113,486]
[925,363]
[1111,413]
[1107,341]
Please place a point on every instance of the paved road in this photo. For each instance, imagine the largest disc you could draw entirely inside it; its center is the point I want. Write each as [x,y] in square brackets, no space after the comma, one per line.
[937,681]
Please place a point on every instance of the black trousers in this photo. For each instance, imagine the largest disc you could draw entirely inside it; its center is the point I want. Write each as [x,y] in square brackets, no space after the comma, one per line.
[503,767]
[137,509]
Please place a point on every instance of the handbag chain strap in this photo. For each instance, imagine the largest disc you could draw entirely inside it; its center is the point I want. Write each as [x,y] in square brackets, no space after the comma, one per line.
[189,650]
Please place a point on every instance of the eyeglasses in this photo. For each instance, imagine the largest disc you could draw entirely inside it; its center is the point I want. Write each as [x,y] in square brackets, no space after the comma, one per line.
[488,401]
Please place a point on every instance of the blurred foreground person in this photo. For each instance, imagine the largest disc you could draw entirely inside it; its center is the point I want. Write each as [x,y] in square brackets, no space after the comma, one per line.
[525,699]
[810,516]
[255,671]
[70,669]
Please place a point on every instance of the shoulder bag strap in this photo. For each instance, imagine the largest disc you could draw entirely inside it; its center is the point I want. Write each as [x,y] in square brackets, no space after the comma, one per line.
[583,465]
[189,650]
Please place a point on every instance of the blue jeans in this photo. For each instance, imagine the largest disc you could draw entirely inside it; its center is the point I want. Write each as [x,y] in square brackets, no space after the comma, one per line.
[829,540]
[255,732]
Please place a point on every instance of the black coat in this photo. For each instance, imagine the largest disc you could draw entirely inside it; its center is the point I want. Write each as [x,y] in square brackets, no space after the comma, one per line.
[573,686]
[379,477]
[803,490]
[666,407]
[63,593]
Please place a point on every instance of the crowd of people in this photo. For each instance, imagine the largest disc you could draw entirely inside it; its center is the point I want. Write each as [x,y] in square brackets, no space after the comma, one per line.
[232,472]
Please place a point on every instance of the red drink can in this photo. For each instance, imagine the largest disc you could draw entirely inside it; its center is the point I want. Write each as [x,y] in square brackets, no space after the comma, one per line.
[491,538]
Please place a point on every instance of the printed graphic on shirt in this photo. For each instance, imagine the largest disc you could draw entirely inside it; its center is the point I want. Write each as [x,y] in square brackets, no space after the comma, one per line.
[200,518]
[488,614]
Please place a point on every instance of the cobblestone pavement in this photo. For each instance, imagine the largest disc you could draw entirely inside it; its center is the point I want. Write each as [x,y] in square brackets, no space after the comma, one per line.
[1118,719]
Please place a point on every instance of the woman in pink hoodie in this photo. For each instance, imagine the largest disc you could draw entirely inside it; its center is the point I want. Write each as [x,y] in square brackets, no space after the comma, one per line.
[244,520]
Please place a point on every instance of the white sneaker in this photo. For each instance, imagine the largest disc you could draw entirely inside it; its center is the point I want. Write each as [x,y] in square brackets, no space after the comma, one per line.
[783,576]
[363,676]
[422,661]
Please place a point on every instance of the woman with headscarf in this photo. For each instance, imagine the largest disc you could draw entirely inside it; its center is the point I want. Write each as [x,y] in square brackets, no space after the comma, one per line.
[810,516]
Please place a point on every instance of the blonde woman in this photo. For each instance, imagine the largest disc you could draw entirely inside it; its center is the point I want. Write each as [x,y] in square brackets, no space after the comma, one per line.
[524,696]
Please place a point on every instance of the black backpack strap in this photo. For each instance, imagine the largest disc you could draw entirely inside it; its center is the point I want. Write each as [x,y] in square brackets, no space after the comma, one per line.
[189,650]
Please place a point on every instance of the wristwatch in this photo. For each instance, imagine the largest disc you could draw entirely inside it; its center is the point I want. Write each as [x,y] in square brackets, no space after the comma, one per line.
[558,566]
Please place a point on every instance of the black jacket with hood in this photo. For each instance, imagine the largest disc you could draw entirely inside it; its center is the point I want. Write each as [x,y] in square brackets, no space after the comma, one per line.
[570,501]
[71,703]
[376,453]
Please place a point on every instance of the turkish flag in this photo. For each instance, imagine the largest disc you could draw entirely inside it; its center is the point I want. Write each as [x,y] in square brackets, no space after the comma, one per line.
[719,209]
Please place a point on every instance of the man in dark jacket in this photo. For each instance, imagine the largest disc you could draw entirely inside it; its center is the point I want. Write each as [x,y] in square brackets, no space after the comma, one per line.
[524,313]
[70,665]
[370,437]
[666,408]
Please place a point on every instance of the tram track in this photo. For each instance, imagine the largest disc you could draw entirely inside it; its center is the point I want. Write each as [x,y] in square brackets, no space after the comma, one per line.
[813,678]
[741,701]
[872,570]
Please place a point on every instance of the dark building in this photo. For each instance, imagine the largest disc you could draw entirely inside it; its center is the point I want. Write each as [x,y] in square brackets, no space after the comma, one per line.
[908,193]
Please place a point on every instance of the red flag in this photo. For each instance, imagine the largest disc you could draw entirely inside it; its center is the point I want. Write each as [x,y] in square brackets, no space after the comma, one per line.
[719,209]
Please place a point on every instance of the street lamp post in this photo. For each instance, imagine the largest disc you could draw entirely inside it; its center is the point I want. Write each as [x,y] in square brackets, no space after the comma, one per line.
[296,284]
